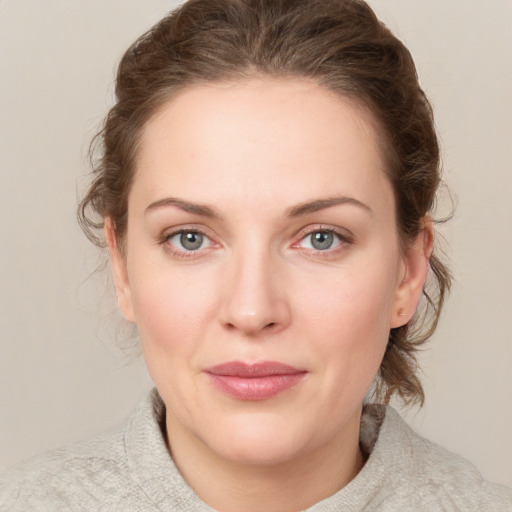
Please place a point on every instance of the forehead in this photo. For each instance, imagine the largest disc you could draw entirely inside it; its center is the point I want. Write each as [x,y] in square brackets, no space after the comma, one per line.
[288,137]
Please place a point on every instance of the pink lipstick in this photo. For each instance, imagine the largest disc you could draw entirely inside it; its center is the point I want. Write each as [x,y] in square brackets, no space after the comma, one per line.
[259,381]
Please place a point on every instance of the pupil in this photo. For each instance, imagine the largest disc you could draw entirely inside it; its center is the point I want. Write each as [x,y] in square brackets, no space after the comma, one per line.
[191,241]
[322,240]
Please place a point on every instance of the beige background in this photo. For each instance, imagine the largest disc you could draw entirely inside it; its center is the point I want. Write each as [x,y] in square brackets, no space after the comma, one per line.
[62,377]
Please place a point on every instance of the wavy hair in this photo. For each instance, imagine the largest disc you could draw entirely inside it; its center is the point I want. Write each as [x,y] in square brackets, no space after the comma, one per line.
[341,45]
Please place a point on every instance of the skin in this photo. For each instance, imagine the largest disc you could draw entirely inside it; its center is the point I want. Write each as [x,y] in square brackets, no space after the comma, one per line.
[254,153]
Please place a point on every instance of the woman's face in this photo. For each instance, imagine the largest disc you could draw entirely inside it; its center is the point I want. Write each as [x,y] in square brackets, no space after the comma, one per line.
[262,266]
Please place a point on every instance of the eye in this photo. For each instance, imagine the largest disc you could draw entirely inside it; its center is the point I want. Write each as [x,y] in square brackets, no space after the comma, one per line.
[188,241]
[322,240]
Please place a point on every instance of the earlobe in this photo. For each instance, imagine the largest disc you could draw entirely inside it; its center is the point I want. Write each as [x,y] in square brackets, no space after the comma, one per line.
[416,265]
[119,271]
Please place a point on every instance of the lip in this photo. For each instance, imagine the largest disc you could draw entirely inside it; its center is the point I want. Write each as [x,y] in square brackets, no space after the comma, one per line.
[259,381]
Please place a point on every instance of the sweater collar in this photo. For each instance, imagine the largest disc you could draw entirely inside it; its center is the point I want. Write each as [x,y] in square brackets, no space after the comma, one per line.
[152,467]
[150,462]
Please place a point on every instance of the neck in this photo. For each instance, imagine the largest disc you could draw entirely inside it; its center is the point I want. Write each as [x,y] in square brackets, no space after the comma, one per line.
[230,486]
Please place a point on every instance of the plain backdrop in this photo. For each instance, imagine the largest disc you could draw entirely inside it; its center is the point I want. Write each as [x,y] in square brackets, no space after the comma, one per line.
[62,377]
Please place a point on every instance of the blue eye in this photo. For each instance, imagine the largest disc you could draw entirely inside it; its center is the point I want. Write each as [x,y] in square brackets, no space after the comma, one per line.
[189,240]
[321,240]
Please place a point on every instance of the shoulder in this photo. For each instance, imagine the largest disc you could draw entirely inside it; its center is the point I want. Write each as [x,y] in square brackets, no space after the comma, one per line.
[433,477]
[71,478]
[95,474]
[127,469]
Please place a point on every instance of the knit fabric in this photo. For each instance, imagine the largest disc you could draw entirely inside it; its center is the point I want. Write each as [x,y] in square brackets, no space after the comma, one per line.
[131,470]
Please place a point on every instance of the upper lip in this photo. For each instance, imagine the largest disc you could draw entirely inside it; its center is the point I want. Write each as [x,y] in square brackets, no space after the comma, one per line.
[253,370]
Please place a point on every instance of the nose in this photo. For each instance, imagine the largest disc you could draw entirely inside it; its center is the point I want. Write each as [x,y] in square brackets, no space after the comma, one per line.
[255,300]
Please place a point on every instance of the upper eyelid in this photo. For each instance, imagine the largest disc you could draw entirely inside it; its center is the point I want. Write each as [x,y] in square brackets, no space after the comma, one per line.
[308,230]
[175,232]
[168,234]
[344,234]
[182,253]
[344,241]
[172,234]
[191,228]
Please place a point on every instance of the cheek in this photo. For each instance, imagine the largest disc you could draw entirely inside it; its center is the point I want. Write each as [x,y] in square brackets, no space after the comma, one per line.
[349,301]
[349,320]
[172,309]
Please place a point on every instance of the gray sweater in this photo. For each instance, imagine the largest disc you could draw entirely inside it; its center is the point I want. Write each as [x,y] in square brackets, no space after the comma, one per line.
[131,470]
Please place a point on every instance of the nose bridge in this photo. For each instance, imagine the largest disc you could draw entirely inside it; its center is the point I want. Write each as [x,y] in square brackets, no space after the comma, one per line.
[254,300]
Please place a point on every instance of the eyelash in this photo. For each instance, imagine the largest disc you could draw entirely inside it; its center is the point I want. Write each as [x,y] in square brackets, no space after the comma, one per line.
[183,253]
[343,239]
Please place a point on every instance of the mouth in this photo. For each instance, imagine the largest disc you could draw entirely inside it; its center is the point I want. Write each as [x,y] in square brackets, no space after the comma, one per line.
[253,382]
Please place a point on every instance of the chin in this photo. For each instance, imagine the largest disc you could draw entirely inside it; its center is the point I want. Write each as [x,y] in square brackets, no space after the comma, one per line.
[267,449]
[258,440]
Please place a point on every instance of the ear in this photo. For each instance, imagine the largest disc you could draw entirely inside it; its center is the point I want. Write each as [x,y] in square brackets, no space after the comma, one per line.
[119,271]
[413,275]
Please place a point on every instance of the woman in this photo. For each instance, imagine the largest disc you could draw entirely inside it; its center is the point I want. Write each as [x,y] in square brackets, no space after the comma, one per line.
[265,193]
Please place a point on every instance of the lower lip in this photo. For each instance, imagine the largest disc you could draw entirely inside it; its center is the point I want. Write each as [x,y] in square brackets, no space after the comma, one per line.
[255,388]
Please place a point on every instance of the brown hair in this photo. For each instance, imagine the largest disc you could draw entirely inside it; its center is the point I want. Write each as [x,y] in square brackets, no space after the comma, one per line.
[341,45]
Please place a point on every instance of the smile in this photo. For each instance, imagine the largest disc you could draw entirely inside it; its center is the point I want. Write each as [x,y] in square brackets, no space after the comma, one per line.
[254,381]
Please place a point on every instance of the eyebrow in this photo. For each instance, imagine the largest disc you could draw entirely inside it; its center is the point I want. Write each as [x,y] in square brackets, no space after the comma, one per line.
[186,206]
[321,204]
[293,211]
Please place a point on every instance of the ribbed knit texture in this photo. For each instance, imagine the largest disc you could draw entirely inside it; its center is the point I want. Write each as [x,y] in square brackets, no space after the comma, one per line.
[131,470]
